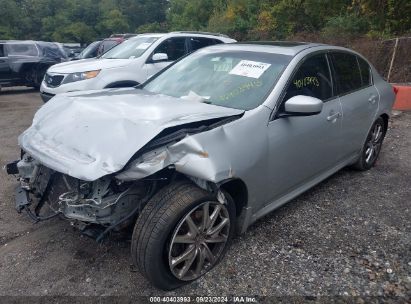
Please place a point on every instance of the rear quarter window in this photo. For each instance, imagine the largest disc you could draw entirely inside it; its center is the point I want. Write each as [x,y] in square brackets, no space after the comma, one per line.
[365,72]
[347,72]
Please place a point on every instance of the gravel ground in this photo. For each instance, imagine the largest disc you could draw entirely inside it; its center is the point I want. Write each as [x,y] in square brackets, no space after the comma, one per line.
[348,236]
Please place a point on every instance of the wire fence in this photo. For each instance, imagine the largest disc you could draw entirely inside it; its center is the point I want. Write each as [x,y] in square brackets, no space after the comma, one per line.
[392,58]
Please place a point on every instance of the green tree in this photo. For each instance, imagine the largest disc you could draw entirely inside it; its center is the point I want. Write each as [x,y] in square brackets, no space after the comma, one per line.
[113,22]
[190,14]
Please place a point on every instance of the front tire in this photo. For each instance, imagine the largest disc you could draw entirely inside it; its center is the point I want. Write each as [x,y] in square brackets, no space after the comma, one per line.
[181,234]
[372,146]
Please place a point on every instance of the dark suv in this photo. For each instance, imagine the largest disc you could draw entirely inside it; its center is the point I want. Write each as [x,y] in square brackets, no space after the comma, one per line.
[26,62]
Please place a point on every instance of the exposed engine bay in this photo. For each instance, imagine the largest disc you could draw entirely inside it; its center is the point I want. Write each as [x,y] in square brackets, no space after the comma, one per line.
[107,202]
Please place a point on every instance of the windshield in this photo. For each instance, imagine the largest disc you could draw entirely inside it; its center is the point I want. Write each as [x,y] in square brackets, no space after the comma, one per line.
[90,51]
[239,79]
[51,50]
[130,49]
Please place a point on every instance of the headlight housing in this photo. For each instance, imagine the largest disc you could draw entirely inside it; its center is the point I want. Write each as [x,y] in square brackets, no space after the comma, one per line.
[73,77]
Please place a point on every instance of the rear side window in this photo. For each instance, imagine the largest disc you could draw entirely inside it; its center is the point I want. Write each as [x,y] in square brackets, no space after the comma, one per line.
[1,50]
[23,49]
[199,42]
[347,72]
[312,79]
[365,72]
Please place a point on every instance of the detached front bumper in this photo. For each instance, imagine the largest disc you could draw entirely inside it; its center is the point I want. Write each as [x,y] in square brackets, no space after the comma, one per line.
[33,182]
[21,195]
[22,198]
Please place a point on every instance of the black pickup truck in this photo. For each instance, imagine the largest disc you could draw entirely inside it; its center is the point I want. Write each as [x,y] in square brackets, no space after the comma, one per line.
[25,62]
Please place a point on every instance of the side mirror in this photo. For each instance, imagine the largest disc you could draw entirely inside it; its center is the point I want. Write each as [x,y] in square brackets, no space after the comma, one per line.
[301,105]
[159,57]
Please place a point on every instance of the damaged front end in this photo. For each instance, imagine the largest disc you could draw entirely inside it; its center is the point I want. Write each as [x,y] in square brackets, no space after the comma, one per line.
[107,202]
[99,176]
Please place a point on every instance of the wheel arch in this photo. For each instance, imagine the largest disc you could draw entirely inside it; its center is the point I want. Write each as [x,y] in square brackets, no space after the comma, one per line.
[122,84]
[385,117]
[238,191]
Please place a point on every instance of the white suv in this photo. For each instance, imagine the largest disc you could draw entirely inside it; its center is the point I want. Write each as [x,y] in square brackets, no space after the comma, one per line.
[127,64]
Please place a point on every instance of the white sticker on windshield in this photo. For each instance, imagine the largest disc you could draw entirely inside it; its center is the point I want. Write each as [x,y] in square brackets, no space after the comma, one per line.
[143,46]
[250,68]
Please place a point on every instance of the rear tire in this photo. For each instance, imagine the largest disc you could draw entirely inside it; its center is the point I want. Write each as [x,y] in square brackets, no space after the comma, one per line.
[372,146]
[166,249]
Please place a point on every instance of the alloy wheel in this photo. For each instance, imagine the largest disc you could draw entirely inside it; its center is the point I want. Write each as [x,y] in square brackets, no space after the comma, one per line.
[199,240]
[373,145]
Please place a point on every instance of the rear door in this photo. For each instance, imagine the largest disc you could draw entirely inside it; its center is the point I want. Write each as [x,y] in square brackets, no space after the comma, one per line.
[359,99]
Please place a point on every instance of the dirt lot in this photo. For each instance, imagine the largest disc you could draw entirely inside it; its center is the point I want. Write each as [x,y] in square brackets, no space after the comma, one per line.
[350,235]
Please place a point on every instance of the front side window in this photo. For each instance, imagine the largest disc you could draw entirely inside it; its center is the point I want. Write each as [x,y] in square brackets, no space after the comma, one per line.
[131,48]
[175,48]
[347,72]
[311,79]
[21,49]
[235,79]
[1,50]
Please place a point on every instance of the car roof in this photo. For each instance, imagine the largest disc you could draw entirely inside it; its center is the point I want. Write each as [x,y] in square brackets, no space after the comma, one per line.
[150,34]
[221,37]
[19,41]
[290,48]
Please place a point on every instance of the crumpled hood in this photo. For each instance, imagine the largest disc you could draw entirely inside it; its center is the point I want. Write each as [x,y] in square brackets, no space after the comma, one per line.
[91,134]
[85,65]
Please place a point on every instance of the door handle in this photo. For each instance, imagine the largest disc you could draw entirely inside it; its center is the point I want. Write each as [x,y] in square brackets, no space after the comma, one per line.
[372,99]
[334,116]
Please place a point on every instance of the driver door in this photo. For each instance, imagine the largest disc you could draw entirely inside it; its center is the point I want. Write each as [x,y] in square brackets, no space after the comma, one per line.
[302,148]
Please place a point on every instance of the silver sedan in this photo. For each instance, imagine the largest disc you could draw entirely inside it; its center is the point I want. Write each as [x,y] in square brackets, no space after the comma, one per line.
[203,149]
